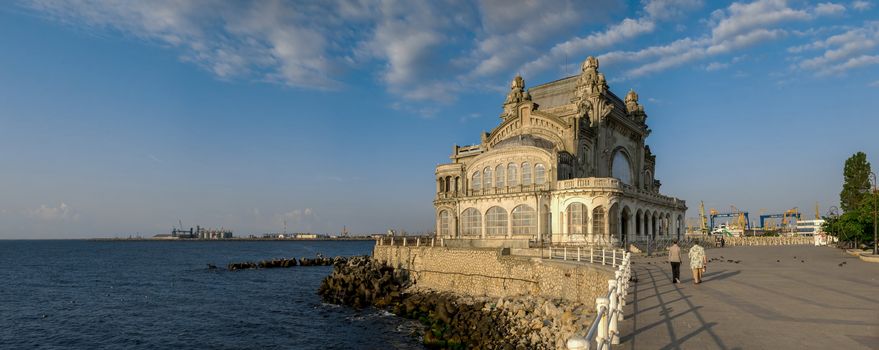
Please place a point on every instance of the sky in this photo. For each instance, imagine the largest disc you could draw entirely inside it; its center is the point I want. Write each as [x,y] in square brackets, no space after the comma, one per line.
[121,118]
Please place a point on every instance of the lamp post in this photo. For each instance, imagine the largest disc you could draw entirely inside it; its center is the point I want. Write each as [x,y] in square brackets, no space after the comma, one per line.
[873,195]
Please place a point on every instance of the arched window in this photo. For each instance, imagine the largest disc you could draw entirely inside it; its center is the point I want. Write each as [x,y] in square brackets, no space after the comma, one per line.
[539,174]
[486,178]
[471,222]
[496,222]
[512,175]
[477,181]
[499,176]
[622,168]
[524,220]
[577,218]
[526,173]
[598,221]
[444,223]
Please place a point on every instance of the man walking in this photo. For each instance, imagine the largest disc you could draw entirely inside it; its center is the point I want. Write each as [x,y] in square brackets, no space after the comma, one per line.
[674,257]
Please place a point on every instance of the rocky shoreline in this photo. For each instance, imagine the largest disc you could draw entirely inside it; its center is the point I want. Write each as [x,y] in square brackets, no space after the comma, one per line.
[456,321]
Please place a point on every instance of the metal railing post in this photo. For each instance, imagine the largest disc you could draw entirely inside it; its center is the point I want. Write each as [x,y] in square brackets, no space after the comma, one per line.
[603,256]
[565,255]
[578,253]
[418,242]
[432,242]
[614,258]
[591,254]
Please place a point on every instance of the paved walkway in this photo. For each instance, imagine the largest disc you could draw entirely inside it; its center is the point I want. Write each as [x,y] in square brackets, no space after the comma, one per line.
[769,300]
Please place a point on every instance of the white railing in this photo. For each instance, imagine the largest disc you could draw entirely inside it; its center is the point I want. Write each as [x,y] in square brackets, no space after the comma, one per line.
[604,330]
[412,241]
[613,257]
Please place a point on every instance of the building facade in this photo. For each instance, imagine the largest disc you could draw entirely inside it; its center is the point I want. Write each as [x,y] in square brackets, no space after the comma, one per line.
[568,163]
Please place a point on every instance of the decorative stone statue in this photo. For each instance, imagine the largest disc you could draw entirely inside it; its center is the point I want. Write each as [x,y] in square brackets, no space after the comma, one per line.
[517,94]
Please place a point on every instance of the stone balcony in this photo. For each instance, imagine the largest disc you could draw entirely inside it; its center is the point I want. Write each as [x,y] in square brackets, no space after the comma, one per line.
[589,183]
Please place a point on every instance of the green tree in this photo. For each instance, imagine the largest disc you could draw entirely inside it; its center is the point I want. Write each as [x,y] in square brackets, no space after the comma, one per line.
[856,181]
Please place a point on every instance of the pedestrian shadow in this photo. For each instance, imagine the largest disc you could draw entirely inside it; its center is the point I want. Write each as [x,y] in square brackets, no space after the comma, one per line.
[720,275]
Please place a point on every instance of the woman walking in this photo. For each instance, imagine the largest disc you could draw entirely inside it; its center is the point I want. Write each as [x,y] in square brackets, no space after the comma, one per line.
[698,261]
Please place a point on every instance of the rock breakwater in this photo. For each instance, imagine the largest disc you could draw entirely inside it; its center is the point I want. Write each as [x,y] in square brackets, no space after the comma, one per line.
[453,321]
[319,260]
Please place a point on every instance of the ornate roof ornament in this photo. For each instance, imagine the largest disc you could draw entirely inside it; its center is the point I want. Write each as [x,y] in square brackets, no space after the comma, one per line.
[587,96]
[517,95]
[634,109]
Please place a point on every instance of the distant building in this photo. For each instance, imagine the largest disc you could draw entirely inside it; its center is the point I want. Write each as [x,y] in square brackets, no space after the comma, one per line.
[568,163]
[306,236]
[810,227]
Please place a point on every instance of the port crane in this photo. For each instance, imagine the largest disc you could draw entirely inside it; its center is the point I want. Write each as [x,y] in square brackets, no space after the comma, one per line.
[741,216]
[785,216]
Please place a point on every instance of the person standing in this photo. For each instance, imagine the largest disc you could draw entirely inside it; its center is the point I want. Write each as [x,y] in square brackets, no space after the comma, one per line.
[698,261]
[674,257]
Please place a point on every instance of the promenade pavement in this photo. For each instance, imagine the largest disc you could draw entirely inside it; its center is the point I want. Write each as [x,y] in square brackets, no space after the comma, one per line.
[775,297]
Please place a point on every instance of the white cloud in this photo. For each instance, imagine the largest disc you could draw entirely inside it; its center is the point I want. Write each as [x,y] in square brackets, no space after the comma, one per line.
[61,212]
[741,18]
[862,5]
[713,66]
[575,47]
[842,52]
[828,9]
[670,9]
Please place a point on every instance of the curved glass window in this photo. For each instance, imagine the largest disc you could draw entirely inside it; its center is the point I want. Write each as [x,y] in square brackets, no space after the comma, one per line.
[524,220]
[526,173]
[499,176]
[477,181]
[486,178]
[622,168]
[598,221]
[577,218]
[539,174]
[512,175]
[496,222]
[471,222]
[443,223]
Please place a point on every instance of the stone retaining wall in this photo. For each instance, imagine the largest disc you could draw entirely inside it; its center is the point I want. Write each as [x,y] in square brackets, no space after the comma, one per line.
[487,272]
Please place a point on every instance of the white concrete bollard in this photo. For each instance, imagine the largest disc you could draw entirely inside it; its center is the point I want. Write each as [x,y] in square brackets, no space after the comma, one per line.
[392,240]
[612,333]
[577,343]
[591,255]
[603,256]
[578,253]
[404,241]
[432,242]
[418,242]
[601,303]
[565,255]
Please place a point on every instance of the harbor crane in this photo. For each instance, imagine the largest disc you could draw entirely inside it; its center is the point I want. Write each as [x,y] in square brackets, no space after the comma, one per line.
[785,216]
[741,216]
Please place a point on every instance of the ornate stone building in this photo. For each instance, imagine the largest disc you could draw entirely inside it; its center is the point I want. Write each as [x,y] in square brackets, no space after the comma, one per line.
[567,163]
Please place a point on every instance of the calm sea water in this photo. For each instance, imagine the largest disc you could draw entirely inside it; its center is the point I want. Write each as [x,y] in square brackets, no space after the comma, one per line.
[161,295]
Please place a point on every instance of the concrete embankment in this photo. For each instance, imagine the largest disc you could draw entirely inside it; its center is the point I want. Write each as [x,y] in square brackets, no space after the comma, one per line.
[478,304]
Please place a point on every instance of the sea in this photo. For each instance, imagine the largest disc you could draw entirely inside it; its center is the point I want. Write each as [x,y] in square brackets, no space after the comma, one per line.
[82,294]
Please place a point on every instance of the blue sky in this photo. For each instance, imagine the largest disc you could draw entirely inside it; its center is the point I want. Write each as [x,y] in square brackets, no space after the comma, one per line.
[121,117]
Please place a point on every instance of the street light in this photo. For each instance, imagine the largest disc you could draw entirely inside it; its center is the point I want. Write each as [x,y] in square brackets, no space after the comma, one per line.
[875,243]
